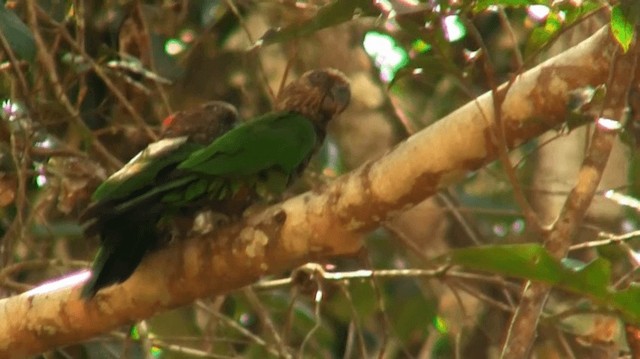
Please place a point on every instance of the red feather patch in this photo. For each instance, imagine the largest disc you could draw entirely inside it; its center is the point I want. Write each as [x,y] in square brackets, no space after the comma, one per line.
[167,121]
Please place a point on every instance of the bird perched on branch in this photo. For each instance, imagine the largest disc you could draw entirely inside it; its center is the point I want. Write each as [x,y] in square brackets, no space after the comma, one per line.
[127,229]
[255,160]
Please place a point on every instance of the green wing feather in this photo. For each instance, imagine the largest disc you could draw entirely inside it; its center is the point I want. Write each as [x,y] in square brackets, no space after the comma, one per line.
[282,140]
[144,169]
[274,146]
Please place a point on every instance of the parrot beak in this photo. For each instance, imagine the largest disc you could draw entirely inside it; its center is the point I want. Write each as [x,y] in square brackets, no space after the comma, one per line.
[335,100]
[341,96]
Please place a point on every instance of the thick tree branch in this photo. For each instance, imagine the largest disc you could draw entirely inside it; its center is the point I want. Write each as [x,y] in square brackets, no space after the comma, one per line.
[312,225]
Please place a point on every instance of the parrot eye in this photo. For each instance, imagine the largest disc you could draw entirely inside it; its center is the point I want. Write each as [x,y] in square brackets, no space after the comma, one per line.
[341,94]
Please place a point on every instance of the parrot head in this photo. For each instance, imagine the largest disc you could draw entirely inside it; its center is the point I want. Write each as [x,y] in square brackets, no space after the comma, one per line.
[202,124]
[319,95]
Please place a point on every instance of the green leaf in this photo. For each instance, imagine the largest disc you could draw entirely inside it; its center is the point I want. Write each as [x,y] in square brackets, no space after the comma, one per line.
[195,190]
[17,34]
[529,261]
[333,14]
[575,13]
[624,18]
[413,317]
[433,64]
[533,262]
[541,36]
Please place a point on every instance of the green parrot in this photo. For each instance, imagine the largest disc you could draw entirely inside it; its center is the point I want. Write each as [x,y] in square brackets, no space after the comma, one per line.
[254,161]
[181,133]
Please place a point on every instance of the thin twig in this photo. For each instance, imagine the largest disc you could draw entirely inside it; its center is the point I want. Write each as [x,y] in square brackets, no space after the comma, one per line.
[243,24]
[317,300]
[107,81]
[354,321]
[17,70]
[152,66]
[263,314]
[449,203]
[499,135]
[504,21]
[523,326]
[242,330]
[46,60]
[487,299]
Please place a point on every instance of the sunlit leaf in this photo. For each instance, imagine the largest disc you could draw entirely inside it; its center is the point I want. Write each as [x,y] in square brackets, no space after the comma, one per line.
[623,22]
[386,54]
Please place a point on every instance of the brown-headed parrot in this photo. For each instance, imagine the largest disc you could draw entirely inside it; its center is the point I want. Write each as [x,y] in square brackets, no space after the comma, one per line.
[255,160]
[202,124]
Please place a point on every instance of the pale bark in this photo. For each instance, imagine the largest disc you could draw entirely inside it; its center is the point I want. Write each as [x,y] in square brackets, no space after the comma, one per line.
[560,236]
[312,225]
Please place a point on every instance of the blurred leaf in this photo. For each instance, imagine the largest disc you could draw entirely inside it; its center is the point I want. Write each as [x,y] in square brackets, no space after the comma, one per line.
[573,263]
[428,63]
[574,13]
[17,34]
[76,62]
[533,262]
[302,316]
[624,18]
[336,13]
[633,178]
[482,5]
[413,316]
[541,36]
[362,300]
[629,137]
[134,65]
[8,187]
[58,229]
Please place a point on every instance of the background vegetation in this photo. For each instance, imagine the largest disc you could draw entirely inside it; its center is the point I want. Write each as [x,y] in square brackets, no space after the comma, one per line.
[84,85]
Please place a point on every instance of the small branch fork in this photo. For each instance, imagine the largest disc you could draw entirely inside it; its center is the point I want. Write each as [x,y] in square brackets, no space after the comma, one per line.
[558,239]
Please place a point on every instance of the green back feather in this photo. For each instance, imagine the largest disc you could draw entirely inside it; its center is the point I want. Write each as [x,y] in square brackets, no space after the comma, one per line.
[282,140]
